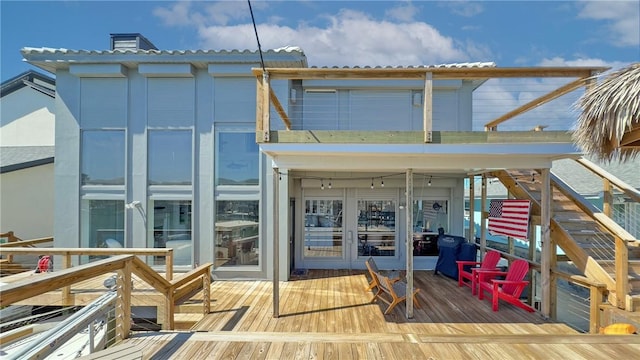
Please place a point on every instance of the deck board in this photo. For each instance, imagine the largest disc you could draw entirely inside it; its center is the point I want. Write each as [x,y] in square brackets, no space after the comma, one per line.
[327,314]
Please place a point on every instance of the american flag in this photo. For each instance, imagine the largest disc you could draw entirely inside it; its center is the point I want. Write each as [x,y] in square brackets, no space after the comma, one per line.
[509,218]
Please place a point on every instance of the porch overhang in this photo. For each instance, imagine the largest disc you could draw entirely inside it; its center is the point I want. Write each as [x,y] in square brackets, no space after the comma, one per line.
[450,158]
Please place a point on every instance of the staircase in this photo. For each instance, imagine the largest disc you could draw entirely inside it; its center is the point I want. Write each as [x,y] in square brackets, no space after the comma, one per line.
[586,235]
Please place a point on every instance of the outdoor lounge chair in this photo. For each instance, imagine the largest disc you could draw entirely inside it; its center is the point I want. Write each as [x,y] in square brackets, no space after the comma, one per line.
[373,268]
[508,289]
[396,291]
[490,262]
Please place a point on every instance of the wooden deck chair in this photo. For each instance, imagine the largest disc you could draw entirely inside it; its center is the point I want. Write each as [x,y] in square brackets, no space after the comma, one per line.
[490,262]
[395,290]
[373,268]
[508,289]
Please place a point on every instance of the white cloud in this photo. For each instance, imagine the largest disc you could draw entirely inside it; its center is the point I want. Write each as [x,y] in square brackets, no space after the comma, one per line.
[178,14]
[463,7]
[403,13]
[350,38]
[622,19]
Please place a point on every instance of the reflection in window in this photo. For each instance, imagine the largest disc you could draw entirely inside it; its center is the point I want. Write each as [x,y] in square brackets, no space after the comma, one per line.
[103,157]
[323,228]
[102,224]
[170,223]
[430,215]
[237,233]
[376,228]
[170,157]
[237,159]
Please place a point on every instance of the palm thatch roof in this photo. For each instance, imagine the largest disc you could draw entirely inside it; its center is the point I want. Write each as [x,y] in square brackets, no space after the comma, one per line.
[609,124]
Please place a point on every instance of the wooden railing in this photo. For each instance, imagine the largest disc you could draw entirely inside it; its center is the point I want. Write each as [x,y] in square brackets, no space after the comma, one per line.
[125,266]
[13,241]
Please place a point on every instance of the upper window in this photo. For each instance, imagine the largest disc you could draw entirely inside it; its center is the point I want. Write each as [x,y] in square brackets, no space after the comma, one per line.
[170,157]
[103,157]
[237,159]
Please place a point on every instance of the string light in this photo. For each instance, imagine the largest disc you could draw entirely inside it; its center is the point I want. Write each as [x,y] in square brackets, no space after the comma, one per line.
[381,182]
[429,183]
[372,183]
[329,183]
[322,184]
[533,177]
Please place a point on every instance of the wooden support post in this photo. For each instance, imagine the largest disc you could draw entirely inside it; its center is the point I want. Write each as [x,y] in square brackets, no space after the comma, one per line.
[472,209]
[266,117]
[596,297]
[169,310]
[607,204]
[259,109]
[622,272]
[409,242]
[276,247]
[531,287]
[169,264]
[66,291]
[427,107]
[206,292]
[546,253]
[483,218]
[123,305]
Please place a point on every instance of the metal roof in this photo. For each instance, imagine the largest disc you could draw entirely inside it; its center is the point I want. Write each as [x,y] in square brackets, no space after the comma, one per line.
[29,78]
[435,66]
[14,158]
[51,59]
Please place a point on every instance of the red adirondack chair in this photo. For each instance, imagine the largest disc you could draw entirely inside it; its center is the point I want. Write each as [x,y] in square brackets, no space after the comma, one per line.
[508,289]
[490,262]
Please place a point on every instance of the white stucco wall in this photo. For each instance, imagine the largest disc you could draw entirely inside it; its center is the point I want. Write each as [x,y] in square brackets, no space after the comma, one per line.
[27,118]
[26,202]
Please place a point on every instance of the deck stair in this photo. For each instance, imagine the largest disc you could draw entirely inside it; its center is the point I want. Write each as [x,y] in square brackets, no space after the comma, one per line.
[584,233]
[9,268]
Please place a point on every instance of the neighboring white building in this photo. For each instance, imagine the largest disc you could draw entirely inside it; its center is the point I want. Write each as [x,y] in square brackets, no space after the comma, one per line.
[161,148]
[27,138]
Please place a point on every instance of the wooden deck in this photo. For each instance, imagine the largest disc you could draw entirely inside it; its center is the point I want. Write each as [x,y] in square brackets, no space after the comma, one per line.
[328,315]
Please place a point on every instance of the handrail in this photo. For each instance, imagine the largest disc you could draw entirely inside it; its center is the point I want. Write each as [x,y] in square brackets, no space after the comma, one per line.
[27,242]
[624,187]
[37,285]
[33,286]
[167,252]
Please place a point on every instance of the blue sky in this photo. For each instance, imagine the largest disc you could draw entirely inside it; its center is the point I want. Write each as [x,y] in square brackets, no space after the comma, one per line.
[510,33]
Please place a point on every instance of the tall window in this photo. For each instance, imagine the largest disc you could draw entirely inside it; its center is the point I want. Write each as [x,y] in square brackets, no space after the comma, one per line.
[170,227]
[237,224]
[170,157]
[103,157]
[323,228]
[237,218]
[237,159]
[377,228]
[102,223]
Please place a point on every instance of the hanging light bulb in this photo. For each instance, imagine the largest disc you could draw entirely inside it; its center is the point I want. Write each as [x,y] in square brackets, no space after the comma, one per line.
[533,177]
[381,182]
[429,183]
[322,184]
[372,183]
[329,183]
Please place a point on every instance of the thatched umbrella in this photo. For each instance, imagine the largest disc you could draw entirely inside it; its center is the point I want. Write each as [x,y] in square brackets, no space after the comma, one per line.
[609,124]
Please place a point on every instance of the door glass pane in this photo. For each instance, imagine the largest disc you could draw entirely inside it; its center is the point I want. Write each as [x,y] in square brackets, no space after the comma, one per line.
[377,228]
[171,222]
[237,224]
[323,228]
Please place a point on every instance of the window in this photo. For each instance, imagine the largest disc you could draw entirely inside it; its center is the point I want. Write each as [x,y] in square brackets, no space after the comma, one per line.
[376,228]
[323,228]
[237,233]
[237,159]
[102,224]
[429,218]
[170,227]
[103,157]
[170,157]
